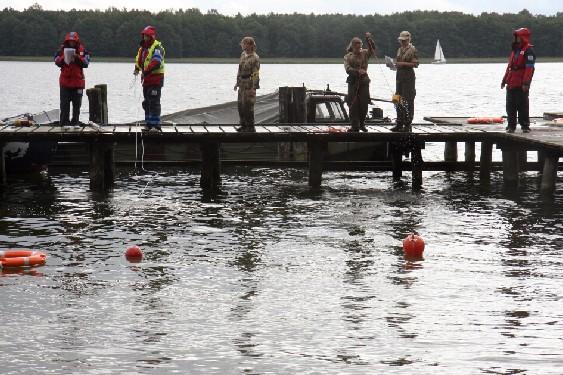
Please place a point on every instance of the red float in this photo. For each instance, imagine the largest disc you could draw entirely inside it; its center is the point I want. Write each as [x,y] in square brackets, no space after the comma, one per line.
[134,254]
[413,245]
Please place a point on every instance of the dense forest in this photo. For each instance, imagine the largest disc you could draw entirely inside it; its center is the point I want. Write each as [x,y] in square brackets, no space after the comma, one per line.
[191,33]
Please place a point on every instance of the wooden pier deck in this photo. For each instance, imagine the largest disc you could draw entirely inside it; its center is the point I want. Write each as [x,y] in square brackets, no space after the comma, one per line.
[546,139]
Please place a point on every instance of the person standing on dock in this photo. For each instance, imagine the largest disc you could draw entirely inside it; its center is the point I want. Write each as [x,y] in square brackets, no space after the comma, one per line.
[356,65]
[72,58]
[517,79]
[248,80]
[407,60]
[150,62]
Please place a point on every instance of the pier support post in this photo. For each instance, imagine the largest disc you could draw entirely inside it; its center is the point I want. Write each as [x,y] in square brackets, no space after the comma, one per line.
[416,160]
[210,180]
[3,179]
[102,166]
[523,160]
[510,167]
[470,156]
[396,156]
[541,160]
[316,159]
[486,161]
[450,151]
[549,175]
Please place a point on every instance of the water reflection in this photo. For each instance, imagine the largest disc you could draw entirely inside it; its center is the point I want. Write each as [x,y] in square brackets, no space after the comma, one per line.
[270,278]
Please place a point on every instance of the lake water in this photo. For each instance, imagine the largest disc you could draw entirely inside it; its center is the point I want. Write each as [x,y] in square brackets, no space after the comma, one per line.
[442,90]
[271,278]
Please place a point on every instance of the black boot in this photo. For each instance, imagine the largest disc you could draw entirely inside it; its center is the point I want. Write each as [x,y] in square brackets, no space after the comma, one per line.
[397,128]
[363,128]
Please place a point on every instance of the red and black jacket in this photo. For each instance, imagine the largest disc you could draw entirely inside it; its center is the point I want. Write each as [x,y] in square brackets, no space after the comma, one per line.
[520,69]
[72,75]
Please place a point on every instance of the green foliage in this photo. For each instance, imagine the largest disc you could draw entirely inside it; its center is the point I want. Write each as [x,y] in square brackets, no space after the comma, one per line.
[190,33]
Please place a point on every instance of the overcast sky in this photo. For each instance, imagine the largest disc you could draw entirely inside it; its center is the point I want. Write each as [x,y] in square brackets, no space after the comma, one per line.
[230,7]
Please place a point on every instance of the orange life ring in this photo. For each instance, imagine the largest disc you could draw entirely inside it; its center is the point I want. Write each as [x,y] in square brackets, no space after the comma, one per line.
[21,258]
[485,120]
[332,129]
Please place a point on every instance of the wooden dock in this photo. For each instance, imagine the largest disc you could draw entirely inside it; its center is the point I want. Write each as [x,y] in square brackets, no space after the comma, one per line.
[546,139]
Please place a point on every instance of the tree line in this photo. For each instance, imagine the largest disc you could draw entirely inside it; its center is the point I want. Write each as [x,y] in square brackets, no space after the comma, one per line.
[191,33]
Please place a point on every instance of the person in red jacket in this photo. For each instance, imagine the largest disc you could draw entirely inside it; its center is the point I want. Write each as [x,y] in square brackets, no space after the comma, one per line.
[72,58]
[517,79]
[150,61]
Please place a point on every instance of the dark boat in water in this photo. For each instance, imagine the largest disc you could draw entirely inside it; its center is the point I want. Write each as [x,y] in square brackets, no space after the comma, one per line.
[322,106]
[29,156]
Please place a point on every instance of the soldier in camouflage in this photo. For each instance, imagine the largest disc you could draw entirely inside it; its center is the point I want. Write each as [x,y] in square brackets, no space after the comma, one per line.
[248,80]
[356,65]
[407,60]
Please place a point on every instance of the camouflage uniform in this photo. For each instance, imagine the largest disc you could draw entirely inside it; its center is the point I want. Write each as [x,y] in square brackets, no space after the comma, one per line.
[248,80]
[405,86]
[358,96]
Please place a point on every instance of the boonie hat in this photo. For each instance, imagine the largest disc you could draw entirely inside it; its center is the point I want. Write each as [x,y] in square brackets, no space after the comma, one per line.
[404,35]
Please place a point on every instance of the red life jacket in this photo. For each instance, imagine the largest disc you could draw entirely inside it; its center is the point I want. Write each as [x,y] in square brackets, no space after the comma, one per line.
[72,75]
[520,69]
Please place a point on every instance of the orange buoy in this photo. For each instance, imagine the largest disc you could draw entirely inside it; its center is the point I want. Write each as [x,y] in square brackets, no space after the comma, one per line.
[134,254]
[485,120]
[413,245]
[21,258]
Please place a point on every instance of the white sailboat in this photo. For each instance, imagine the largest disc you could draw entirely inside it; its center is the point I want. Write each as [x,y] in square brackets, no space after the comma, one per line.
[439,57]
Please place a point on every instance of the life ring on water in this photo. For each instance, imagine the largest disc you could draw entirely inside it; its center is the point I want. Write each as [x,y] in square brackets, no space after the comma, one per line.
[21,258]
[485,120]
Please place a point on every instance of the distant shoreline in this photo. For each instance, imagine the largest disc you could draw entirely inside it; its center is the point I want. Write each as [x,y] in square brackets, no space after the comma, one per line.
[272,60]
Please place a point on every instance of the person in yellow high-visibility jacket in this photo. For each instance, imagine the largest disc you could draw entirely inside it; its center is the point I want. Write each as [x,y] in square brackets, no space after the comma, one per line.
[150,61]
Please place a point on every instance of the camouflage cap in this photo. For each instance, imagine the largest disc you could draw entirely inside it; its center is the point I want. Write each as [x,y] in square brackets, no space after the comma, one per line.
[404,35]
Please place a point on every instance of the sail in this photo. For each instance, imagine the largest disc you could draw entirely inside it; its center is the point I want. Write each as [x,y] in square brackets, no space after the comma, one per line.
[439,54]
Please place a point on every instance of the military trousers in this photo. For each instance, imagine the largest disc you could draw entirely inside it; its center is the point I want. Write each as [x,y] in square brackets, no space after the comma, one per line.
[246,101]
[405,87]
[358,99]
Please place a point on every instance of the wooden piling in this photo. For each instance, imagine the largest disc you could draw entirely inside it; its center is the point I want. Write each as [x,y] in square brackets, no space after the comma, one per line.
[95,106]
[316,159]
[293,108]
[102,166]
[416,158]
[523,160]
[210,180]
[450,151]
[510,167]
[486,161]
[104,103]
[396,156]
[470,155]
[541,160]
[549,175]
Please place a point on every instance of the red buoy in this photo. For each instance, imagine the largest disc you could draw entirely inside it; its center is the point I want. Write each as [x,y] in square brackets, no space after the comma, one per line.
[413,245]
[134,254]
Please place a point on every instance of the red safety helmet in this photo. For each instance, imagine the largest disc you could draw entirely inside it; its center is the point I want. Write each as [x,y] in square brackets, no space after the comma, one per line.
[150,31]
[524,35]
[523,31]
[73,35]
